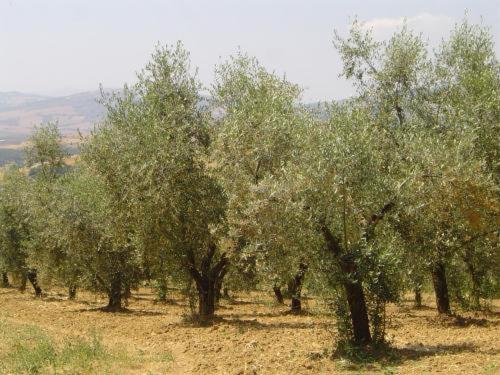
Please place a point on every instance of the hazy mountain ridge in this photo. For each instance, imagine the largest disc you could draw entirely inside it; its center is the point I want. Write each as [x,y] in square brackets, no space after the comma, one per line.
[20,112]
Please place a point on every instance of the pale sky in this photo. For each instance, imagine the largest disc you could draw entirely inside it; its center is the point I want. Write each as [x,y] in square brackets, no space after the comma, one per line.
[66,46]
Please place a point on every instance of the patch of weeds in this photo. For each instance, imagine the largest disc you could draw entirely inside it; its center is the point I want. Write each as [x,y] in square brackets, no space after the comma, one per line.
[491,367]
[166,357]
[352,357]
[29,350]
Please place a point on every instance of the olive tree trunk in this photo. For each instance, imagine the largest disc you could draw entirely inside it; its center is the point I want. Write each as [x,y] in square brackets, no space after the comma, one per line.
[278,294]
[353,289]
[207,278]
[441,288]
[357,302]
[295,289]
[5,280]
[115,294]
[32,277]
[418,296]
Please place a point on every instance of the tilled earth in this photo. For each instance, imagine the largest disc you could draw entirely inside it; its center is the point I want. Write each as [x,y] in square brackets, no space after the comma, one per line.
[254,336]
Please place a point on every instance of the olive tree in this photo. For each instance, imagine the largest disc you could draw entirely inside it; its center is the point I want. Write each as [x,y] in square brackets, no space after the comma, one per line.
[447,102]
[254,140]
[151,153]
[16,230]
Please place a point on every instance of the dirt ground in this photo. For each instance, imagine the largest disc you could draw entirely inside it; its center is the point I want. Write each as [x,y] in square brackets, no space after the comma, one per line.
[254,336]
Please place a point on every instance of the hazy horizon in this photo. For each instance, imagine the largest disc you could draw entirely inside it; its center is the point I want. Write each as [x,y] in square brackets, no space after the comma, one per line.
[58,48]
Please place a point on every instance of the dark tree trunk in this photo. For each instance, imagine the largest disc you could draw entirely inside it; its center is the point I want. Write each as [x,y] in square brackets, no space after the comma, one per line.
[218,286]
[441,288]
[278,294]
[72,292]
[207,280]
[206,300]
[5,280]
[358,311]
[295,289]
[352,285]
[115,294]
[32,277]
[225,292]
[418,296]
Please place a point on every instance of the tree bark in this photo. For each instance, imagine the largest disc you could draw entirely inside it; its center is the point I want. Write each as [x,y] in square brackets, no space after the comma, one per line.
[418,296]
[206,300]
[72,292]
[115,294]
[207,279]
[441,288]
[352,285]
[295,289]
[32,277]
[357,308]
[278,294]
[5,280]
[218,286]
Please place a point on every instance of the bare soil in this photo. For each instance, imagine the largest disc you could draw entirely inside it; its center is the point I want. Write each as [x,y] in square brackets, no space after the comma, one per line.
[254,336]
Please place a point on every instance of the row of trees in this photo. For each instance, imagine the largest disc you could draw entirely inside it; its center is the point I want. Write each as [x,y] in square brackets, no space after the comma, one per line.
[389,191]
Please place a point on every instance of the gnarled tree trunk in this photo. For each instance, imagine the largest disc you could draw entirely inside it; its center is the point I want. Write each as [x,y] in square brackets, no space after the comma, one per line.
[278,294]
[357,302]
[218,285]
[441,288]
[353,289]
[418,296]
[115,293]
[295,289]
[207,278]
[32,277]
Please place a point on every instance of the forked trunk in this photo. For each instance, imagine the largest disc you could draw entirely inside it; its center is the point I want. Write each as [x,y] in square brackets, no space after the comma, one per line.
[441,288]
[115,294]
[278,294]
[32,277]
[208,279]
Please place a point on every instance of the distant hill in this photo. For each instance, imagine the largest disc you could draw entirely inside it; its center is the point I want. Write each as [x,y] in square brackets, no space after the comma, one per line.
[20,112]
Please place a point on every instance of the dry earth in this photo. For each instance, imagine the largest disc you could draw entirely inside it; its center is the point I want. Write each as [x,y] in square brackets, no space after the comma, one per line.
[253,336]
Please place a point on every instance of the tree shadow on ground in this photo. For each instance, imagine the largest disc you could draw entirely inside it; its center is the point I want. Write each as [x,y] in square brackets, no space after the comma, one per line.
[123,311]
[461,321]
[254,324]
[366,358]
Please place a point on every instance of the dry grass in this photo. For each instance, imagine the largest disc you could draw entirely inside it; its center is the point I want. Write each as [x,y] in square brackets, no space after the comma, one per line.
[253,336]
